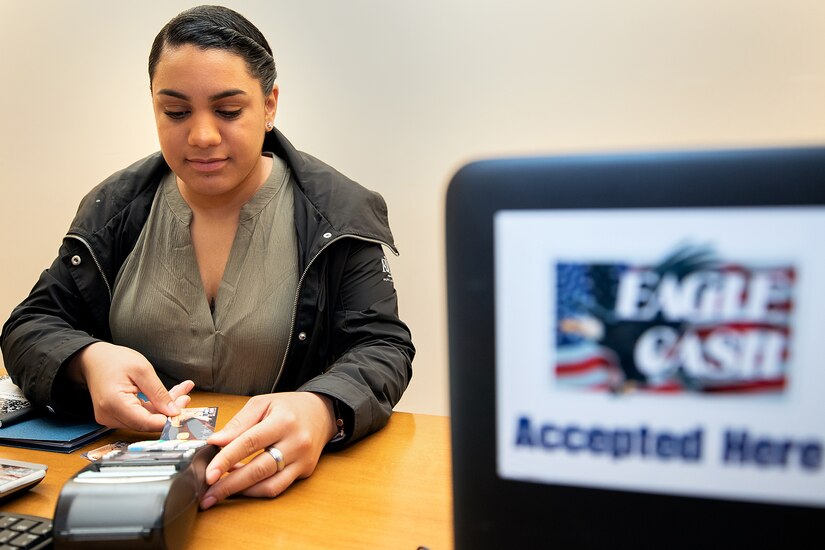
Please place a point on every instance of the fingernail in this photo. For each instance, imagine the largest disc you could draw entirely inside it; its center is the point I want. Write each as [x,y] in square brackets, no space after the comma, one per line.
[208,502]
[212,476]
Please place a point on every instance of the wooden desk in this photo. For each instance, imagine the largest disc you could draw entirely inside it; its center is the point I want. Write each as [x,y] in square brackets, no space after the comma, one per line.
[391,490]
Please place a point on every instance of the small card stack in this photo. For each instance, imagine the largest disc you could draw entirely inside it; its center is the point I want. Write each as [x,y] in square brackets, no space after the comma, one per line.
[13,404]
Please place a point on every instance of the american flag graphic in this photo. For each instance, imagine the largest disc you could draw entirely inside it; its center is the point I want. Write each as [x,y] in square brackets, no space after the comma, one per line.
[581,362]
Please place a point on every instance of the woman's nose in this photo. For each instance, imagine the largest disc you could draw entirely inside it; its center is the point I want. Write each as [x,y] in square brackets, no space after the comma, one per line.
[204,133]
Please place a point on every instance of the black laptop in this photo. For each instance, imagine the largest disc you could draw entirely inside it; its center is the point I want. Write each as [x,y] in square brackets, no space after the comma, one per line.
[635,349]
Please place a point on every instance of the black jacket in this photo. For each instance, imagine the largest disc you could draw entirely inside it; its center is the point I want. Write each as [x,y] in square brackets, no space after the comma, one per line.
[346,342]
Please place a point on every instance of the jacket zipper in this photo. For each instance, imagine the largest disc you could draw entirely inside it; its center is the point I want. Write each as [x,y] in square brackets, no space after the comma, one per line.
[94,258]
[298,293]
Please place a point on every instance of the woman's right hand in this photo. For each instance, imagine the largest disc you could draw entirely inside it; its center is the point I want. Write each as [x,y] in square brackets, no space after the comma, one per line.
[115,375]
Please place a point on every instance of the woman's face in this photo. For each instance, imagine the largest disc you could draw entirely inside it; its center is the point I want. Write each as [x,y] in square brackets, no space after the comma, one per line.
[211,117]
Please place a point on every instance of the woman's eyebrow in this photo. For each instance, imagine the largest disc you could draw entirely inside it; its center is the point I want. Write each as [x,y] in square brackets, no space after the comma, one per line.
[227,93]
[214,97]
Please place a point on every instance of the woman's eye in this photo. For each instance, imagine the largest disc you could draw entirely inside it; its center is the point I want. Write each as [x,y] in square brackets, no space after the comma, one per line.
[176,115]
[229,115]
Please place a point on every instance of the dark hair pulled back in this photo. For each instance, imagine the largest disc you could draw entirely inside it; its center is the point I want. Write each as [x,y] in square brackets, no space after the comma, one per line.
[220,28]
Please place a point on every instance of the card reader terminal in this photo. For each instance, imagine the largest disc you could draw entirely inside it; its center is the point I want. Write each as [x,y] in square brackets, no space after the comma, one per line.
[144,496]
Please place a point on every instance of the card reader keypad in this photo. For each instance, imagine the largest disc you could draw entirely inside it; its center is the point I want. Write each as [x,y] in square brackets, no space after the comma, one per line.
[143,461]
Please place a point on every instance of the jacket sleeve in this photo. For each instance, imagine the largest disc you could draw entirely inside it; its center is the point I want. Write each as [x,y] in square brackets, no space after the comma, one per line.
[68,308]
[45,331]
[371,347]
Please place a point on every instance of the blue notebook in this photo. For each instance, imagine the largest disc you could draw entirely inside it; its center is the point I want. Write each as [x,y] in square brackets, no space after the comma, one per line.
[49,433]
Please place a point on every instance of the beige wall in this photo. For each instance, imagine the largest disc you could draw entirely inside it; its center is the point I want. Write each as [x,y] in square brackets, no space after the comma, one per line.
[398,95]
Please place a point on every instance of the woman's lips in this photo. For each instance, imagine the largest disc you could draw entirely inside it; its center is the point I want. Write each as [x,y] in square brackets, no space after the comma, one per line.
[207,165]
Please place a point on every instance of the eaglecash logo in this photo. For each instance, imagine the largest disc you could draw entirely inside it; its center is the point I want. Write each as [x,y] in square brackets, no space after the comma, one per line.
[691,322]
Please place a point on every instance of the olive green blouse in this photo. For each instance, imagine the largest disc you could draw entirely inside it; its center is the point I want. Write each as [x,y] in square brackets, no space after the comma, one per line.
[159,305]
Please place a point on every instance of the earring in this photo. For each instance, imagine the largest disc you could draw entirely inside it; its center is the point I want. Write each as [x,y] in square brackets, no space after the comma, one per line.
[269,125]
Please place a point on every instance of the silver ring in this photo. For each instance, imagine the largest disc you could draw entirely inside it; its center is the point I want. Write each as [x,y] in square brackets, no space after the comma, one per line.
[277,455]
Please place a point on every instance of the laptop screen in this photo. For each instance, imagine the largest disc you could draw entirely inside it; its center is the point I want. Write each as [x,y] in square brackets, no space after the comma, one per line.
[633,346]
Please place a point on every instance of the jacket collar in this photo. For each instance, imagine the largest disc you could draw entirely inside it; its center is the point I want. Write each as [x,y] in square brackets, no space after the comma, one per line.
[328,206]
[339,202]
[333,200]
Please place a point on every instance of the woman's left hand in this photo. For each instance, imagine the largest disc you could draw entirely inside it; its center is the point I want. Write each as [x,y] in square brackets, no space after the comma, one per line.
[299,424]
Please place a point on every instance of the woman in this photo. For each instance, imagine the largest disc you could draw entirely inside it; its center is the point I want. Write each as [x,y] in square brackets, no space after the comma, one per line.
[230,262]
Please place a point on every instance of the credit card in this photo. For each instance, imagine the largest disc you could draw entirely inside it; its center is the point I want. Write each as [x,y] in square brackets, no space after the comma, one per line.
[96,454]
[193,423]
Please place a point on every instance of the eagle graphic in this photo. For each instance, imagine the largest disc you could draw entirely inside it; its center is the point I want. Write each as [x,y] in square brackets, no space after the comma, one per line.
[587,295]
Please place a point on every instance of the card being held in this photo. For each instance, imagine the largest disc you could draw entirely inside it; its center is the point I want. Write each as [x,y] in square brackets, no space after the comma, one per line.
[195,423]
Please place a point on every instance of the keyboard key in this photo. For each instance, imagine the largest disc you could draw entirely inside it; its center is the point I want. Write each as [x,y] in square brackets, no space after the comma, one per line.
[25,540]
[24,532]
[42,528]
[23,525]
